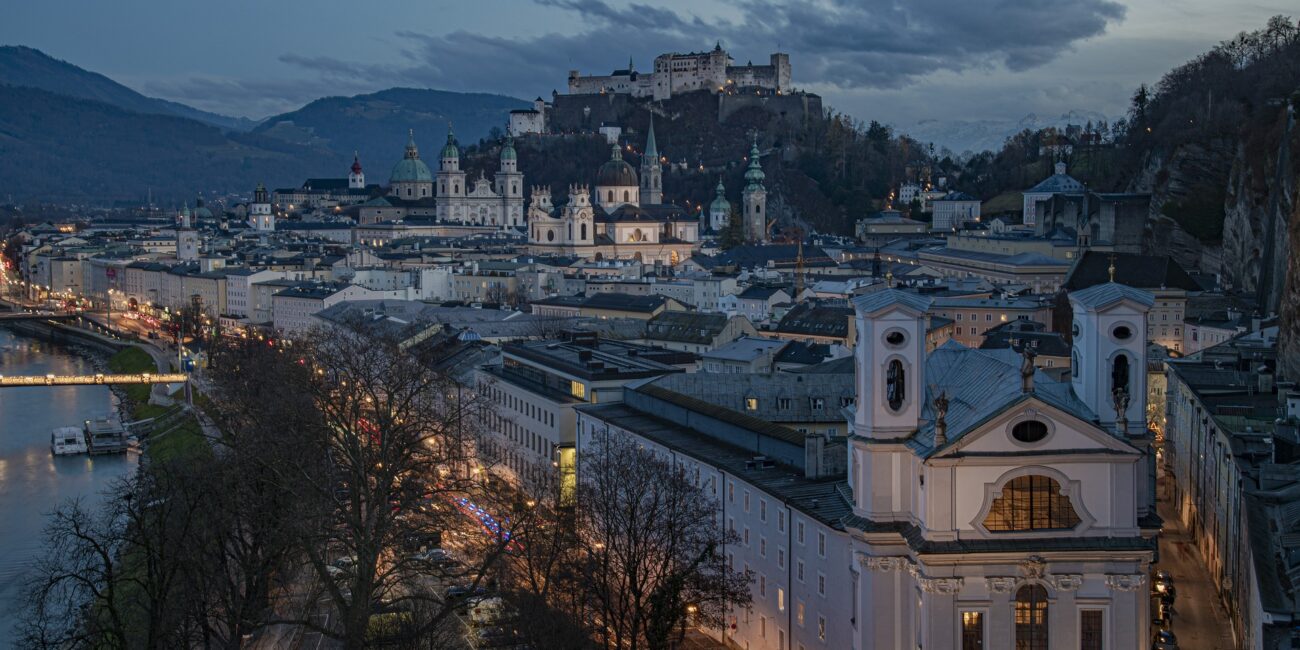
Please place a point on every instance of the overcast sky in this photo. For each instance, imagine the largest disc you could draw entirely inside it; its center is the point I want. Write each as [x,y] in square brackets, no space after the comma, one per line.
[875,59]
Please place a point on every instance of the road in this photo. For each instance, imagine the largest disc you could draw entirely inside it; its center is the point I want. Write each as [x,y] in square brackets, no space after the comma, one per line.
[1199,620]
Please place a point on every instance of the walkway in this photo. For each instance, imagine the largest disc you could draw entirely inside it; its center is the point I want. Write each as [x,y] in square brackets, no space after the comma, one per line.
[1199,620]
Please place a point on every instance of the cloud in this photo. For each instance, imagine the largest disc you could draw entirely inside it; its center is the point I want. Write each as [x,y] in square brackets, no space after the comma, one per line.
[835,44]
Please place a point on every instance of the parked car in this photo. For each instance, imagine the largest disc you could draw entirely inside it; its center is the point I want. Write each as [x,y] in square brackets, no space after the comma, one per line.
[1162,583]
[346,562]
[464,592]
[1166,637]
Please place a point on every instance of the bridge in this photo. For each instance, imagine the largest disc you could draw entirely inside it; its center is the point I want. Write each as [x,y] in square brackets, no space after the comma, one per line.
[36,316]
[91,380]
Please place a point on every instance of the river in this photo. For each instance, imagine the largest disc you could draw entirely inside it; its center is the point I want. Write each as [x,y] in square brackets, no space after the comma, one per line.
[32,481]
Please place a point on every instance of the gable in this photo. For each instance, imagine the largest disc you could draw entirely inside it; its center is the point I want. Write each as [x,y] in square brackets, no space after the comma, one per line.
[1065,433]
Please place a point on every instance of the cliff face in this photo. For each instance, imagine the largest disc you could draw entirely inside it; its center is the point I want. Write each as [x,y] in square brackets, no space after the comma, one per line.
[1176,179]
[1257,210]
[1288,236]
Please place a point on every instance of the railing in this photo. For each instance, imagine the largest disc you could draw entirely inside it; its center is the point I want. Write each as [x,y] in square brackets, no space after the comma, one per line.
[91,380]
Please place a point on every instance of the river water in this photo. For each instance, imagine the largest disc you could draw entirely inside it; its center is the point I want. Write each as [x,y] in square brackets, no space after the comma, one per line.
[32,481]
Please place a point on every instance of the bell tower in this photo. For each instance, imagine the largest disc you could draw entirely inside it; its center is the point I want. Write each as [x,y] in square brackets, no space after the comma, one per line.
[1108,359]
[651,169]
[356,178]
[754,199]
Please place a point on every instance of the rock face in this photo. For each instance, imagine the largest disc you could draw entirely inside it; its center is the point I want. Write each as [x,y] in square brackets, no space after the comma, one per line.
[1257,210]
[1288,213]
[1174,177]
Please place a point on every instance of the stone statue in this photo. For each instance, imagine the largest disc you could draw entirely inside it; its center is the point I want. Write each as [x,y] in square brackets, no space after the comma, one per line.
[941,419]
[1120,396]
[1026,369]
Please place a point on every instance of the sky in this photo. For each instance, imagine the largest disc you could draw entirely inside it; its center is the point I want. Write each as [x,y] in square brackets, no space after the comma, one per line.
[896,62]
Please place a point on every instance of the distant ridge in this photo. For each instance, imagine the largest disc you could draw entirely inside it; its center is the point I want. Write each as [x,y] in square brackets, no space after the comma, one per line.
[25,66]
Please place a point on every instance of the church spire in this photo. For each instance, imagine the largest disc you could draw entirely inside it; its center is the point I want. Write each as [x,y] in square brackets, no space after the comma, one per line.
[412,152]
[651,151]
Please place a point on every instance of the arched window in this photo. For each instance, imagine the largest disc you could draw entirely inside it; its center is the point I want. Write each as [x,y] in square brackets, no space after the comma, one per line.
[627,196]
[455,188]
[1031,503]
[895,393]
[583,230]
[1119,373]
[611,196]
[1031,618]
[757,208]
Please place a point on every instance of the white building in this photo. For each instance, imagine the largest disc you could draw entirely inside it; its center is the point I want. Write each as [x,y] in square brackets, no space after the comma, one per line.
[954,209]
[260,216]
[986,505]
[1058,183]
[499,202]
[674,73]
[524,121]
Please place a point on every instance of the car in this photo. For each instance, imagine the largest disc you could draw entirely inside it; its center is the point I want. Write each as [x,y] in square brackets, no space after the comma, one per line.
[435,556]
[335,573]
[346,562]
[464,592]
[1167,637]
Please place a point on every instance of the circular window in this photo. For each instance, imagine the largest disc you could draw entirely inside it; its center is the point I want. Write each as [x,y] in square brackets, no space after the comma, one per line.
[1029,431]
[1074,329]
[1122,333]
[895,338]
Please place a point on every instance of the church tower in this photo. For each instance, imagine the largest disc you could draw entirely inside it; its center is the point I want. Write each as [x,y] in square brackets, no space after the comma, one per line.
[510,186]
[1109,353]
[719,209]
[356,178]
[889,357]
[260,217]
[450,185]
[651,169]
[187,238]
[754,199]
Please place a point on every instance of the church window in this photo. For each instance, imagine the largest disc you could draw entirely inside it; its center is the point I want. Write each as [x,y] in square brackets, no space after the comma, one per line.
[1029,431]
[610,194]
[550,235]
[757,208]
[408,191]
[455,188]
[1031,618]
[895,338]
[626,196]
[1122,333]
[1119,373]
[972,631]
[894,380]
[583,231]
[444,188]
[1091,630]
[1031,503]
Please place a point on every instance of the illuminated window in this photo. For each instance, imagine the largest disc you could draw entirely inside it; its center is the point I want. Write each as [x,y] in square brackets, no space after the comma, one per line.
[1031,618]
[972,631]
[578,389]
[1030,503]
[751,403]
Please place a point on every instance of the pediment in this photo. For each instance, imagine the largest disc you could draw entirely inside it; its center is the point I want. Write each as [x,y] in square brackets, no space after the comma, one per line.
[1066,433]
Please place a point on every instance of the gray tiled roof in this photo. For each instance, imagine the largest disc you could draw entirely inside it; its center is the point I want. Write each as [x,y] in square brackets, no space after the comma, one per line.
[878,300]
[1104,295]
[780,397]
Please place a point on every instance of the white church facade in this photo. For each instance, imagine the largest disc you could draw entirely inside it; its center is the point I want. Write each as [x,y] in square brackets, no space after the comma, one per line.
[978,504]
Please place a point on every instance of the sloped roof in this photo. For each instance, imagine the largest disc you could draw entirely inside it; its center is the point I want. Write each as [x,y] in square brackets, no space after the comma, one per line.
[685,327]
[817,319]
[878,300]
[780,397]
[1141,271]
[1105,295]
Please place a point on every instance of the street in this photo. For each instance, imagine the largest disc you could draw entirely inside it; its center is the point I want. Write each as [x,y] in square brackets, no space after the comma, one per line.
[1199,619]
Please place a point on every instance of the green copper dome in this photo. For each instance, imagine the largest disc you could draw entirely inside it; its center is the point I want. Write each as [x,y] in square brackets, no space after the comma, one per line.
[616,172]
[450,150]
[410,169]
[720,203]
[754,175]
[508,151]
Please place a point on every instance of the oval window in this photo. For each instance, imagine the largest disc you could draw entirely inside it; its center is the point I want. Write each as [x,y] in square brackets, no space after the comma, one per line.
[1122,333]
[550,235]
[895,338]
[1029,431]
[1074,329]
[894,385]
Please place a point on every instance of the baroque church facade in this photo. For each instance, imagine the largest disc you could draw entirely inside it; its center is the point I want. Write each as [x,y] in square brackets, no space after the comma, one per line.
[993,507]
[621,216]
[414,190]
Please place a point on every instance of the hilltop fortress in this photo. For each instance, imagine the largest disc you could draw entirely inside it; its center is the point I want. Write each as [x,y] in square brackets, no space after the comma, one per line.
[675,73]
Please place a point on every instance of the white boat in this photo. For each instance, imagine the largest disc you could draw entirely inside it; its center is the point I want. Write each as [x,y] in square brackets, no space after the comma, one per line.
[66,441]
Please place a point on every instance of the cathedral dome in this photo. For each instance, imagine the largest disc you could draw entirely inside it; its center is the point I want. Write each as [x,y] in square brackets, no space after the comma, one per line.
[450,150]
[616,172]
[410,169]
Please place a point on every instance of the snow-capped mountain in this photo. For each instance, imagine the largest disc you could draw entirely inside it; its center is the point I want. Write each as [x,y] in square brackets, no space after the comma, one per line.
[979,135]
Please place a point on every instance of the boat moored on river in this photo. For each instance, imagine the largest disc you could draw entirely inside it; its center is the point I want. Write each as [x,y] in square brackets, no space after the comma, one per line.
[68,441]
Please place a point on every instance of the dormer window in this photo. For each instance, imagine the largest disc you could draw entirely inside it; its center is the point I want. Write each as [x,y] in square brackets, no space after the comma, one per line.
[817,403]
[751,403]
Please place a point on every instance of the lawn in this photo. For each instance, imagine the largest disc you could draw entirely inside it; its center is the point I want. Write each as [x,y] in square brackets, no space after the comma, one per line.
[132,361]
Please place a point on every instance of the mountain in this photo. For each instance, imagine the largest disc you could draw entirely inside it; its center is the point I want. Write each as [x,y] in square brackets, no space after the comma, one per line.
[25,66]
[376,125]
[59,148]
[988,135]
